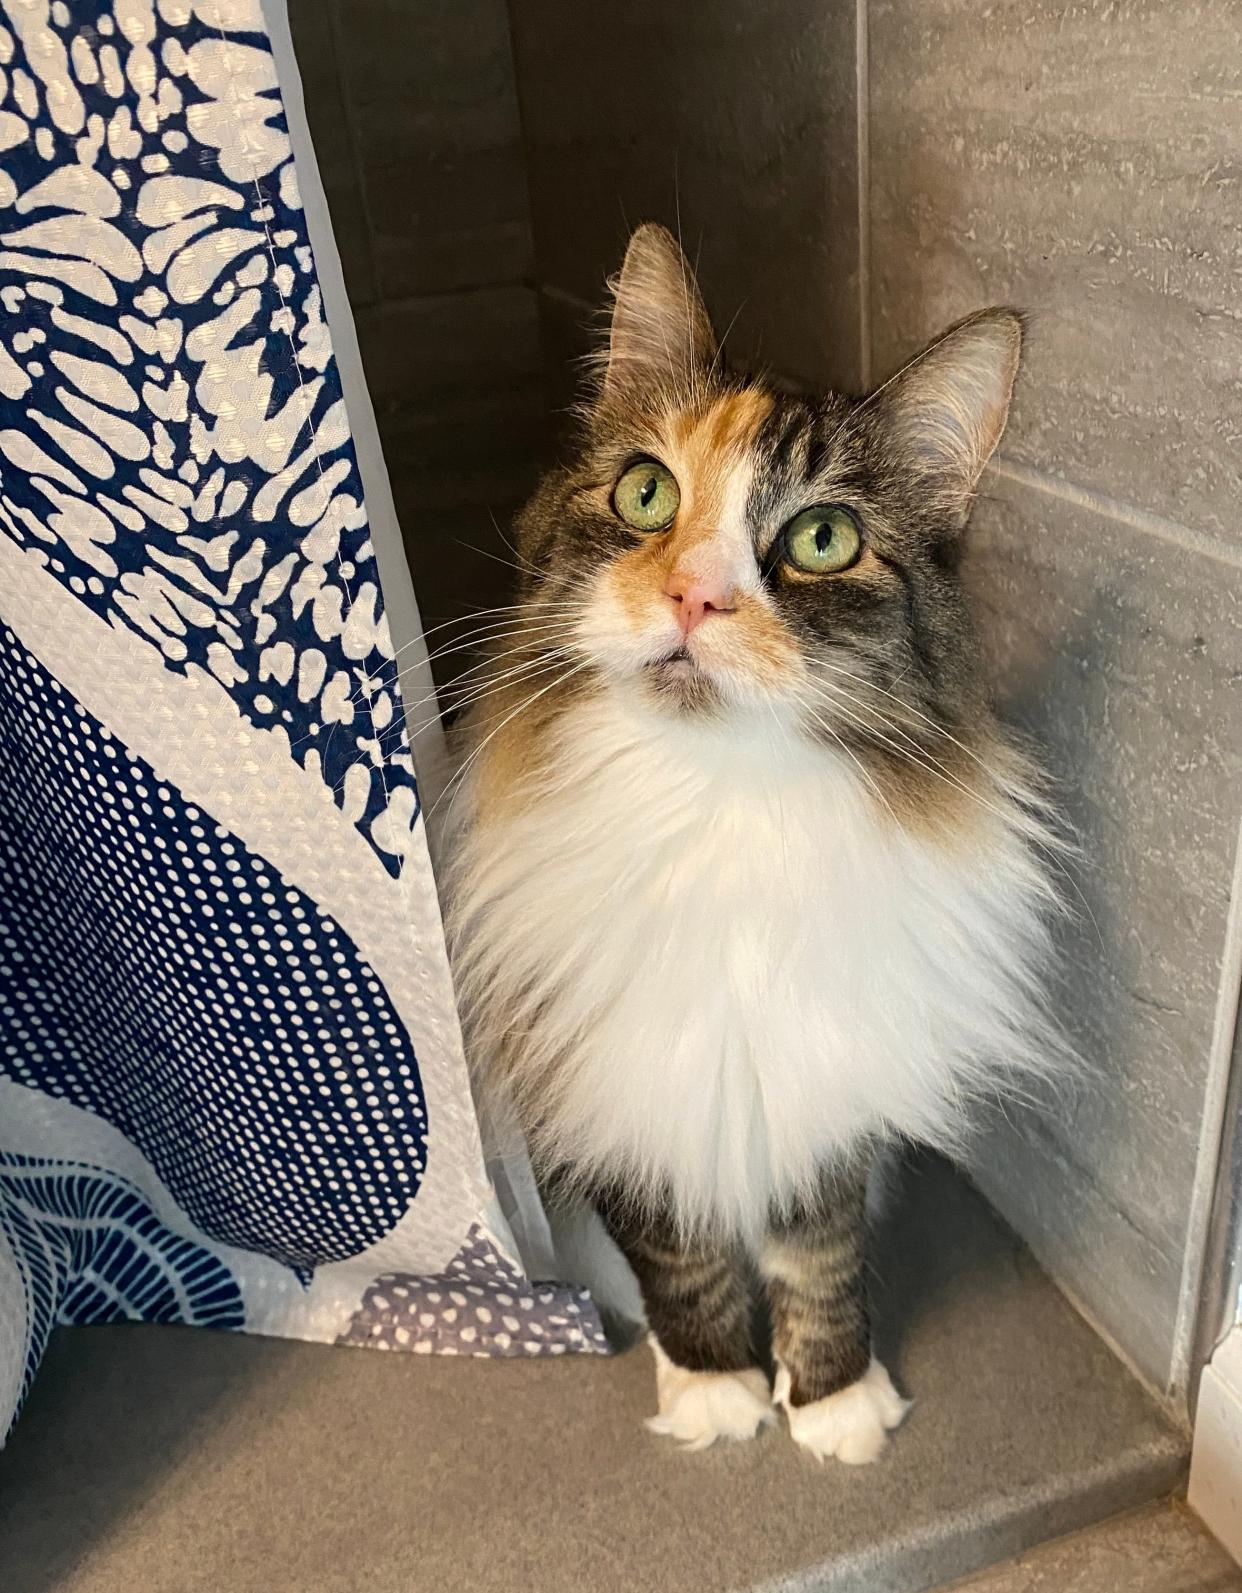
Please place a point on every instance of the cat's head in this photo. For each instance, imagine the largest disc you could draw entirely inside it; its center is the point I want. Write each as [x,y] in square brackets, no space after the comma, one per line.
[720,546]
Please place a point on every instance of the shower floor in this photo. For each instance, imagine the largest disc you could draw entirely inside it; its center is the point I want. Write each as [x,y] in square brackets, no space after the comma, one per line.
[166,1460]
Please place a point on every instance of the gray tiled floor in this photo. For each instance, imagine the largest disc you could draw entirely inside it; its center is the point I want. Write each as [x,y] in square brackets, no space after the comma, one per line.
[1159,1550]
[160,1460]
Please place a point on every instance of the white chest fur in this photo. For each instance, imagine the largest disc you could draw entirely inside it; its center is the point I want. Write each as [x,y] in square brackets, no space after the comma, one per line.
[717,961]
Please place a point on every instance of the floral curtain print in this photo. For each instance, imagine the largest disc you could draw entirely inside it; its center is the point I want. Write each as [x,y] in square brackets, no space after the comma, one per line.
[231,1084]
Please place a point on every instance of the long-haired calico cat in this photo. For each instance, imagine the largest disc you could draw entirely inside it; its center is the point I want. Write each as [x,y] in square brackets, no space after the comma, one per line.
[747,880]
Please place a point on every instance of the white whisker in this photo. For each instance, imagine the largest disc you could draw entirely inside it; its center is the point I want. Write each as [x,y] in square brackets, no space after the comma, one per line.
[491,684]
[457,780]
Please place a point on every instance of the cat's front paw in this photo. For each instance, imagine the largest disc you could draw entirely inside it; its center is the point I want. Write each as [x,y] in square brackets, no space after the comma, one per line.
[852,1425]
[697,1408]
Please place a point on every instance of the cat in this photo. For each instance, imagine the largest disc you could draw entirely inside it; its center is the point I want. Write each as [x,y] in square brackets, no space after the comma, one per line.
[745,882]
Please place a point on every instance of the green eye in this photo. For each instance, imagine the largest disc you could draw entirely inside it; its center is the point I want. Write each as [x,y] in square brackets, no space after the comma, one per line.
[647,496]
[823,540]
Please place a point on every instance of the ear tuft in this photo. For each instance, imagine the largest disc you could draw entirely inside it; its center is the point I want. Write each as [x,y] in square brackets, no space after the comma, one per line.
[660,337]
[946,410]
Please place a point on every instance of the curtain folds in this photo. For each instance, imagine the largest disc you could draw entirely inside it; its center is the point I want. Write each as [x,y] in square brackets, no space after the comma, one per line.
[232,1091]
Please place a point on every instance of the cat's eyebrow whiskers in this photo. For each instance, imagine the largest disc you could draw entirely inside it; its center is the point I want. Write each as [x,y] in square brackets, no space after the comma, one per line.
[685,284]
[533,570]
[718,357]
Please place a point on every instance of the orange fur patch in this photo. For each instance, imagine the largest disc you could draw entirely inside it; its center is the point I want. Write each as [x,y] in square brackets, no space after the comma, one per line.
[767,651]
[708,446]
[510,731]
[705,447]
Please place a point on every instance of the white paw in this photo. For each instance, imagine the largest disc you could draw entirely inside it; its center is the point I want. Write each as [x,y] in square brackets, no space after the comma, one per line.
[697,1408]
[850,1424]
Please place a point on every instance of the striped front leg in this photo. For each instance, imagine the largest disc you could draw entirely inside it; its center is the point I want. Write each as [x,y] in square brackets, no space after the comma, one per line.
[839,1400]
[698,1300]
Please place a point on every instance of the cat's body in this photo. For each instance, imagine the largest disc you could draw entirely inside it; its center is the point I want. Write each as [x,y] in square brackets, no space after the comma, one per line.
[728,964]
[745,877]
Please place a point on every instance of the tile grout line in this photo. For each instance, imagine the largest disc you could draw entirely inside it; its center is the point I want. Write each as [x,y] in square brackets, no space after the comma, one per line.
[862,102]
[530,277]
[1127,514]
[355,153]
[564,296]
[1212,1131]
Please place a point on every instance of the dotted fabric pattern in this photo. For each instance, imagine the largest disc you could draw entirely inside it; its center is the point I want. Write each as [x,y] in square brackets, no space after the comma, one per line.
[479,1305]
[176,465]
[156,972]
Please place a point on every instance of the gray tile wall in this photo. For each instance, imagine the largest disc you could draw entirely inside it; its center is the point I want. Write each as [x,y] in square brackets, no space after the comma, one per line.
[414,116]
[1083,162]
[734,124]
[1124,654]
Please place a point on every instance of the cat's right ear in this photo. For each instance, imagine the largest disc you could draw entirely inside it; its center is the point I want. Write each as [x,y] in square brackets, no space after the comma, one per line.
[660,339]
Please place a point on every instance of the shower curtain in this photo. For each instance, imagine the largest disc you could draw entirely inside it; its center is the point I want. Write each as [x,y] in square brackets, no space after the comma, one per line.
[232,1091]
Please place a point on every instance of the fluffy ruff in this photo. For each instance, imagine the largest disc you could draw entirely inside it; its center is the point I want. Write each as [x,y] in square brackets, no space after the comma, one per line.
[704,962]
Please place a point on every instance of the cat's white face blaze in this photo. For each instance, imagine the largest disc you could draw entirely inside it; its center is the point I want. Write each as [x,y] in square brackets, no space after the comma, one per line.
[689,603]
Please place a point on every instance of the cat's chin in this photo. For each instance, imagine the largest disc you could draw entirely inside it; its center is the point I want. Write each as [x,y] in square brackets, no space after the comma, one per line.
[678,683]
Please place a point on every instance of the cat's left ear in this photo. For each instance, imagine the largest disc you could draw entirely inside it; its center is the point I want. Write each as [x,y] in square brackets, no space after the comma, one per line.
[661,337]
[945,412]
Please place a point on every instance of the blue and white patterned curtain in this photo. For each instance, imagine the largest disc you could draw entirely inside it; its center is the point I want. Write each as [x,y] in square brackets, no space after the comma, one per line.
[231,1083]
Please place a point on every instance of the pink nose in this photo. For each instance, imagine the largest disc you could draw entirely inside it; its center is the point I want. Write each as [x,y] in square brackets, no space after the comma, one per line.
[694,600]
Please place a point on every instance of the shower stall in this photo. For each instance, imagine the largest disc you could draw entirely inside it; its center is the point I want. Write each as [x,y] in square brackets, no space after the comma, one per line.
[848,176]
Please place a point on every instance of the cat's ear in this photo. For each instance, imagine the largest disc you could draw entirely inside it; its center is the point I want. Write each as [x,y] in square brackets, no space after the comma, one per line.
[944,412]
[660,337]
